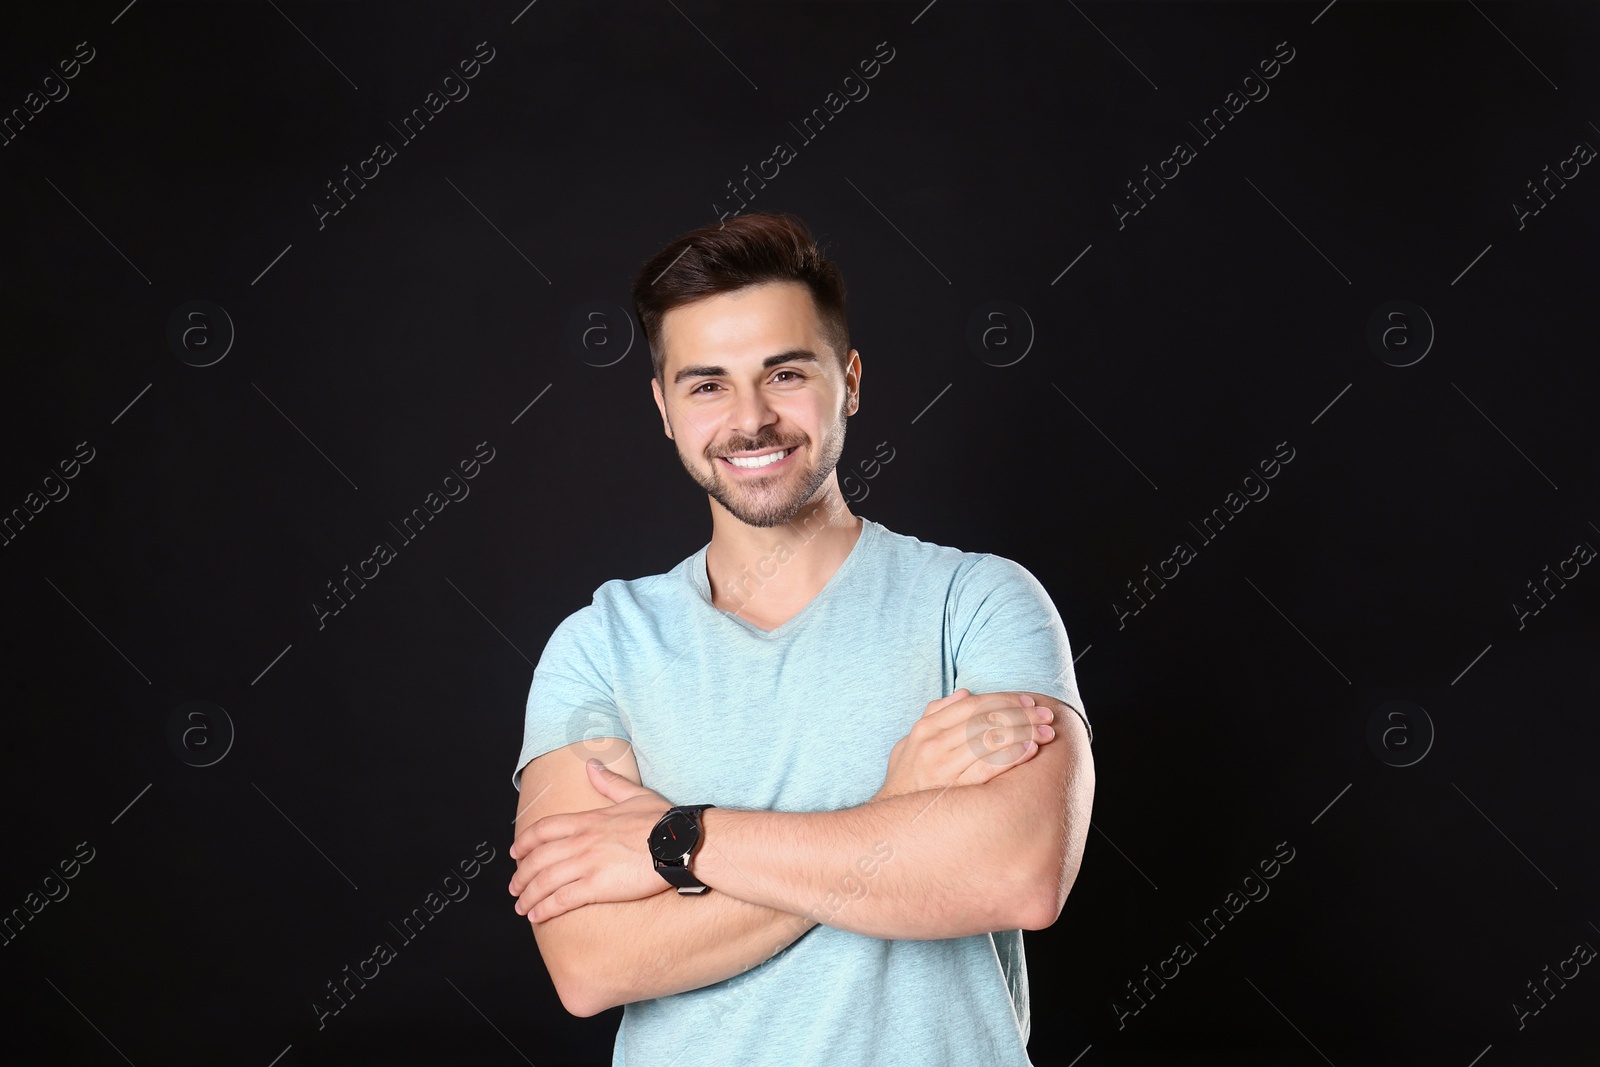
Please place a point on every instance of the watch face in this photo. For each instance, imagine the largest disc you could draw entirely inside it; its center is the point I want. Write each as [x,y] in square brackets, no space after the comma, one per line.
[677,833]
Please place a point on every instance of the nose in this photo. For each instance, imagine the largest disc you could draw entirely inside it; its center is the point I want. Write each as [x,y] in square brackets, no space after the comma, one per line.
[751,414]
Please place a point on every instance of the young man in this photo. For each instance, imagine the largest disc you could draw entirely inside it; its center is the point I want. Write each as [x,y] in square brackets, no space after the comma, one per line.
[861,843]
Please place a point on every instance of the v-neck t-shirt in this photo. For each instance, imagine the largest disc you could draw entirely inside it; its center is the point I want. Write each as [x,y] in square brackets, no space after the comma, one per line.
[802,718]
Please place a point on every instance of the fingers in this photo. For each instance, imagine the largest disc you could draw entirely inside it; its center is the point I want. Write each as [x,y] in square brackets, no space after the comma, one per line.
[983,770]
[541,831]
[538,860]
[548,894]
[944,702]
[967,707]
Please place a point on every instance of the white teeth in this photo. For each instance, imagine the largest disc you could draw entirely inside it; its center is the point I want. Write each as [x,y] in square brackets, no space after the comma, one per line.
[758,461]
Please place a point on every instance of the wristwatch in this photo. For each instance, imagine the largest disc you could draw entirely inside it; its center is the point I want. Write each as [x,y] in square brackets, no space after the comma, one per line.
[673,840]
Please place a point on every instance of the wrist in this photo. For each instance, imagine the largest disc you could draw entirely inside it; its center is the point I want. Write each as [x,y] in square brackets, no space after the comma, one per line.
[709,862]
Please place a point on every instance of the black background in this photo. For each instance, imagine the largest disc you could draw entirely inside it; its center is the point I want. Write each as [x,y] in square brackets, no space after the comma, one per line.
[1180,348]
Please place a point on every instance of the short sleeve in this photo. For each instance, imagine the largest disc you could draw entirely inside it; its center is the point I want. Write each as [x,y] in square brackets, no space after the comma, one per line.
[571,698]
[1008,635]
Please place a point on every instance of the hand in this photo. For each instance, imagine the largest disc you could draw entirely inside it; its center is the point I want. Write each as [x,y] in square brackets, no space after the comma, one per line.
[588,857]
[966,740]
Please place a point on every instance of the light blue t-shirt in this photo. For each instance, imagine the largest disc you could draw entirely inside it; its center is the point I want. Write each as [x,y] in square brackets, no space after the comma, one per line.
[802,718]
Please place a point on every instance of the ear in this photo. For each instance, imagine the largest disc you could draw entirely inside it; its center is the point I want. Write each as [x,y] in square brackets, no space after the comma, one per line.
[661,406]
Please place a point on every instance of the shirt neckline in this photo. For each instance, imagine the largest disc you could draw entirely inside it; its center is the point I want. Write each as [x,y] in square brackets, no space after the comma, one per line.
[702,585]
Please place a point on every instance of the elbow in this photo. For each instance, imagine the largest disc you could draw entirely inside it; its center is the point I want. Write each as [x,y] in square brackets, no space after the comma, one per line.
[583,988]
[582,991]
[1043,912]
[1047,892]
[578,997]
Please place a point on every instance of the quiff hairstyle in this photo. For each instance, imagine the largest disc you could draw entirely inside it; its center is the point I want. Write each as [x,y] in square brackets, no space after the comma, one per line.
[764,246]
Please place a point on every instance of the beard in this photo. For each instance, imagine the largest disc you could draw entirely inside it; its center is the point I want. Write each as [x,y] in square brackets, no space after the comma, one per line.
[773,499]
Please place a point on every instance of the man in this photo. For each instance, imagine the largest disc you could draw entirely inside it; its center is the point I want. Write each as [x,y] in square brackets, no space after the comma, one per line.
[861,842]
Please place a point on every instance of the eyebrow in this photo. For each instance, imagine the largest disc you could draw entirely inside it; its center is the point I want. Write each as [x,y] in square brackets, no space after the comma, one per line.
[794,355]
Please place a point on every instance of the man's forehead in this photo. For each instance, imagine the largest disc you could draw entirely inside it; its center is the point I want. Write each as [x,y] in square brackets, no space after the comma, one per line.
[729,327]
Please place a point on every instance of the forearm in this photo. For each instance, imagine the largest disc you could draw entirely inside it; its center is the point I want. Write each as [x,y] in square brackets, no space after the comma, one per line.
[961,861]
[606,954]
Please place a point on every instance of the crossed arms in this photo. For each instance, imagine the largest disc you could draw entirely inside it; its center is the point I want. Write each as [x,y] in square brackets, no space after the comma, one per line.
[962,838]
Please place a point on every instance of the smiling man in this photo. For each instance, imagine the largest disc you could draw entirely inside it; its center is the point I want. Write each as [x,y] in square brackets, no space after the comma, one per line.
[840,769]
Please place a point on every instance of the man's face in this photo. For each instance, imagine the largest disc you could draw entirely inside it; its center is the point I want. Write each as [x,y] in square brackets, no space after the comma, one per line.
[748,373]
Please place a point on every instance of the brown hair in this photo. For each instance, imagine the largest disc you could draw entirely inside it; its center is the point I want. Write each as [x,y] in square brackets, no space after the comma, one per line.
[764,246]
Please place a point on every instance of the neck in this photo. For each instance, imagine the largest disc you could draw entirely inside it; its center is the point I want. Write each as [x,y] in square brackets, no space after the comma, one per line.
[778,569]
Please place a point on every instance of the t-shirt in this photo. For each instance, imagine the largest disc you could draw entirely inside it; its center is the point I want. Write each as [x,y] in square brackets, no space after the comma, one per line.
[802,718]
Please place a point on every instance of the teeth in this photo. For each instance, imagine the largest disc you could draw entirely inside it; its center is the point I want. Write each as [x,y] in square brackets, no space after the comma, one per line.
[758,461]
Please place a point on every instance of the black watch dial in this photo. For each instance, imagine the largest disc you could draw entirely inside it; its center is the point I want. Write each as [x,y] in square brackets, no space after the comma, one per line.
[677,833]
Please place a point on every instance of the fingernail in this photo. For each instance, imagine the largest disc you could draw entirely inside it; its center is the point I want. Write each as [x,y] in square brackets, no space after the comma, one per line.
[1046,732]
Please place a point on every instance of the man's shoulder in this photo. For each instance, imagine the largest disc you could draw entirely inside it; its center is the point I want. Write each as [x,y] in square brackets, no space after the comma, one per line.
[619,598]
[958,565]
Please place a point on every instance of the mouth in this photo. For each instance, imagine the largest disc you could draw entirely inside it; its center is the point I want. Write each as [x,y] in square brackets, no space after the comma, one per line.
[763,461]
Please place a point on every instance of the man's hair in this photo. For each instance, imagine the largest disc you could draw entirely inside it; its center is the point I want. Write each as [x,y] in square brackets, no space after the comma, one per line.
[764,246]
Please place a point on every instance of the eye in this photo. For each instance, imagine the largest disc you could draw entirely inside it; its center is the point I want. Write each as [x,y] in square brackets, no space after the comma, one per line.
[797,374]
[697,389]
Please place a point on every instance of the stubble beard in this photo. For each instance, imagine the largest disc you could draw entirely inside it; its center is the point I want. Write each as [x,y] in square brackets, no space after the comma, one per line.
[756,503]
